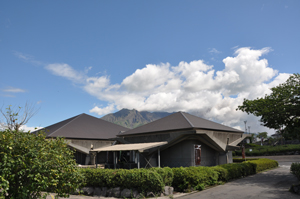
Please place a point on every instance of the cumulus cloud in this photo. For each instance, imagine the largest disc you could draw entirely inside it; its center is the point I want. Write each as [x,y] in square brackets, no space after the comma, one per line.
[194,87]
[103,111]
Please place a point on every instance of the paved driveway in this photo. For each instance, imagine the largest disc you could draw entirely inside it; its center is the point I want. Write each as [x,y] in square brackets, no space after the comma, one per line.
[270,184]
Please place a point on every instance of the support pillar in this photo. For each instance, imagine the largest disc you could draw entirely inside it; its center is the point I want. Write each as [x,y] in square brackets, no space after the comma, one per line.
[158,158]
[115,162]
[138,159]
[93,157]
[96,160]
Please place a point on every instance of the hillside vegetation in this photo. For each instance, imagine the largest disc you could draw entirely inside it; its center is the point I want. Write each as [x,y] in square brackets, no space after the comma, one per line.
[133,118]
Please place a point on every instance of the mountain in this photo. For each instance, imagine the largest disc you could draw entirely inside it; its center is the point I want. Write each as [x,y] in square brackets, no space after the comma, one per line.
[133,118]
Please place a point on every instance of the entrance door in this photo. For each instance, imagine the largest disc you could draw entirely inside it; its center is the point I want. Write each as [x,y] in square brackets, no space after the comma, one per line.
[197,155]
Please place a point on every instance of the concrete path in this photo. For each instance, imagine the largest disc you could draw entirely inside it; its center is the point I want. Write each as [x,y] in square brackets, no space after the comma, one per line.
[270,184]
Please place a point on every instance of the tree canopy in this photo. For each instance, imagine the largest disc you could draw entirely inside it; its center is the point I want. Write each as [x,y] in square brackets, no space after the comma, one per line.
[31,164]
[280,110]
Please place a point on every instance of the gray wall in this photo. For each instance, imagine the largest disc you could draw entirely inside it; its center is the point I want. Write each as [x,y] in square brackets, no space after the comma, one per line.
[182,154]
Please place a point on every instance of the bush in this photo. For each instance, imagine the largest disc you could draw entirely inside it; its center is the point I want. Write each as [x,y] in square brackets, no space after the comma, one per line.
[295,169]
[239,160]
[222,173]
[166,174]
[30,164]
[264,164]
[238,170]
[194,178]
[269,150]
[181,178]
[144,180]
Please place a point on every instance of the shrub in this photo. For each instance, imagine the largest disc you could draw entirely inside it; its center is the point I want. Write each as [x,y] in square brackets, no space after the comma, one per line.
[270,150]
[144,180]
[238,160]
[238,170]
[264,164]
[194,178]
[295,169]
[222,173]
[166,174]
[30,164]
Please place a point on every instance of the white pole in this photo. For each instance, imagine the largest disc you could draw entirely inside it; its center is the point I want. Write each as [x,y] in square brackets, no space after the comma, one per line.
[138,159]
[158,152]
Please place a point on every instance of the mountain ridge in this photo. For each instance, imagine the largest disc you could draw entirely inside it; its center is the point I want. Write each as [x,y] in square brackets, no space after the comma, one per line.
[133,118]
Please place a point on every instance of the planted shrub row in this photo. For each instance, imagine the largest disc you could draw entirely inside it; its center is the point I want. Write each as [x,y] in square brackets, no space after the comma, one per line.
[295,169]
[144,180]
[197,178]
[270,150]
[181,178]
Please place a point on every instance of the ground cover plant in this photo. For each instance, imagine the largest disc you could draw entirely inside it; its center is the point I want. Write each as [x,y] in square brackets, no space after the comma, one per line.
[30,164]
[269,150]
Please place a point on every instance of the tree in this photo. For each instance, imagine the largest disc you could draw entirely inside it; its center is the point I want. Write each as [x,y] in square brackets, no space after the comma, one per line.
[280,110]
[262,136]
[14,118]
[30,164]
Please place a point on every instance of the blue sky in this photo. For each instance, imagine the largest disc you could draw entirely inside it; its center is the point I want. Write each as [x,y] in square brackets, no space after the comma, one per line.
[97,57]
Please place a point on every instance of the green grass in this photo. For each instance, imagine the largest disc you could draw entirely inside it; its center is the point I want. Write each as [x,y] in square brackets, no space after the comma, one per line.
[269,150]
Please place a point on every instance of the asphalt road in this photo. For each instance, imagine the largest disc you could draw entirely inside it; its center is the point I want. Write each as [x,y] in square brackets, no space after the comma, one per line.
[270,184]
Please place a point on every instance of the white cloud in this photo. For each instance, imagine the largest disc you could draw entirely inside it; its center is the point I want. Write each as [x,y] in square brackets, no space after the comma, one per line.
[193,87]
[213,50]
[28,128]
[103,111]
[64,70]
[13,90]
[148,78]
[27,58]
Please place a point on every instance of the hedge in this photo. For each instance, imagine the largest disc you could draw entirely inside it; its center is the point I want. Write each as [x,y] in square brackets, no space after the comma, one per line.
[239,160]
[166,174]
[144,180]
[197,178]
[264,164]
[238,170]
[270,150]
[181,178]
[194,178]
[295,169]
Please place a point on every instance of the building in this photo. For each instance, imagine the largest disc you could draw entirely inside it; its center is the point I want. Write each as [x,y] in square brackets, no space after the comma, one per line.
[180,139]
[83,133]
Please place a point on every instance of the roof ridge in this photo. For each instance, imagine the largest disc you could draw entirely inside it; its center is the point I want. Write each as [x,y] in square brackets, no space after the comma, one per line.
[186,119]
[66,124]
[213,122]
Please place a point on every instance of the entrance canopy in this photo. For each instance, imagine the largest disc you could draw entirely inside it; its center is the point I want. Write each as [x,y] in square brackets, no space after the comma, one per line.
[141,147]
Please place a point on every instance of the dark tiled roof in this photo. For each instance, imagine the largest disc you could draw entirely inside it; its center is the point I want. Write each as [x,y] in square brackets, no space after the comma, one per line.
[180,121]
[84,126]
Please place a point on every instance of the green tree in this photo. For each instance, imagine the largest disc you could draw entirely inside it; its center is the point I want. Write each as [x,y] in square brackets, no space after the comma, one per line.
[280,110]
[262,136]
[30,164]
